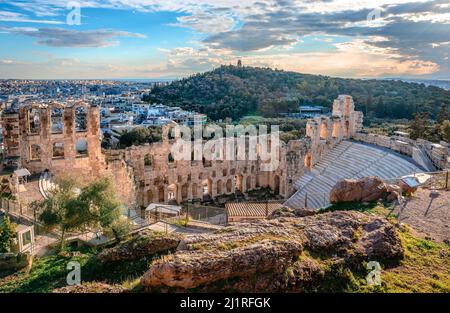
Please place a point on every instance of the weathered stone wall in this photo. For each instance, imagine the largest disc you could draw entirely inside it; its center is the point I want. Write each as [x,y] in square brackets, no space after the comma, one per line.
[64,139]
[439,154]
[146,173]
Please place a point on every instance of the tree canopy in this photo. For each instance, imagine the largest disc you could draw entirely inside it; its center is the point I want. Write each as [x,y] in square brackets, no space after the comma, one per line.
[231,91]
[72,207]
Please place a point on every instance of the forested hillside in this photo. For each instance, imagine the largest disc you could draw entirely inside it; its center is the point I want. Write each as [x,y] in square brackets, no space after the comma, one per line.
[231,91]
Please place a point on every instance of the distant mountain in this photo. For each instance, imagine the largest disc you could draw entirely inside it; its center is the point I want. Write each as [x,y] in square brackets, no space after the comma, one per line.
[444,84]
[232,91]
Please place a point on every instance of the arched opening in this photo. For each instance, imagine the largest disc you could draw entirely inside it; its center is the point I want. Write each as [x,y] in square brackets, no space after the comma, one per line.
[172,194]
[81,147]
[56,121]
[219,187]
[58,150]
[229,186]
[149,196]
[80,119]
[170,158]
[323,130]
[206,163]
[224,172]
[207,189]
[347,129]
[34,121]
[35,152]
[308,161]
[148,162]
[336,132]
[249,183]
[161,194]
[194,191]
[276,185]
[171,134]
[184,192]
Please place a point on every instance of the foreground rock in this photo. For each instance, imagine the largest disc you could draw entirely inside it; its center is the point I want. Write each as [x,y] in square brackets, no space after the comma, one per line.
[367,189]
[144,244]
[276,254]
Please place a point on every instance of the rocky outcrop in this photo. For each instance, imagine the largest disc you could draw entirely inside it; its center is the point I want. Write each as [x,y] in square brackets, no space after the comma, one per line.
[268,250]
[288,212]
[144,244]
[91,288]
[14,261]
[367,189]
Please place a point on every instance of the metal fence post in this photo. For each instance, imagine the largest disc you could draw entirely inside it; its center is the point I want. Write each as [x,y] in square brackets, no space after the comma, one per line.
[446,180]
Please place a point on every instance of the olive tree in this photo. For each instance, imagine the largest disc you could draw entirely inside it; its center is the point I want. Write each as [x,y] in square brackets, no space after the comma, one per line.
[71,207]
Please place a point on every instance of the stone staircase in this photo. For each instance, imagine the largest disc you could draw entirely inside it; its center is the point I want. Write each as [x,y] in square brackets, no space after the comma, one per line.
[347,160]
[46,184]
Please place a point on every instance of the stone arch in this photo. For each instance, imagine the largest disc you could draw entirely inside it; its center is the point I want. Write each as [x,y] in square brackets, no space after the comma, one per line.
[172,194]
[170,158]
[81,147]
[58,150]
[161,197]
[170,132]
[308,161]
[56,120]
[80,119]
[219,187]
[34,120]
[148,161]
[323,130]
[184,192]
[35,152]
[194,190]
[347,129]
[149,196]
[207,187]
[249,183]
[229,186]
[276,184]
[336,129]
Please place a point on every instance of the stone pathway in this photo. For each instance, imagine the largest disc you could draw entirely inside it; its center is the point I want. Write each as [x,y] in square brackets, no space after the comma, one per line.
[427,212]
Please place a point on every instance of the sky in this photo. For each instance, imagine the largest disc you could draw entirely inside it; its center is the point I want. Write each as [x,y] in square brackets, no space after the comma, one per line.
[41,39]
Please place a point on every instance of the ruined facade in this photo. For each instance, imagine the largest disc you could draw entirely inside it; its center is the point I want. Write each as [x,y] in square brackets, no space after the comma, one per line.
[66,139]
[63,139]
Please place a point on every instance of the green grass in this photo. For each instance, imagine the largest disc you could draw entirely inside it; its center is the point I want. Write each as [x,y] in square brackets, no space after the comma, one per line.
[372,208]
[49,273]
[425,267]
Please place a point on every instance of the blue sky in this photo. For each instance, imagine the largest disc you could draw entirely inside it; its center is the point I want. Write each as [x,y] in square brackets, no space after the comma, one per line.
[169,39]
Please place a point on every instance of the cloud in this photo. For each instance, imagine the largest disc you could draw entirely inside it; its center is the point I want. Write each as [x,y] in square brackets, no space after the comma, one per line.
[60,37]
[206,22]
[7,16]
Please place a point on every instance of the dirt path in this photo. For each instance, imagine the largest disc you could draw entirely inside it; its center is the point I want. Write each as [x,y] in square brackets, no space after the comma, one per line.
[428,213]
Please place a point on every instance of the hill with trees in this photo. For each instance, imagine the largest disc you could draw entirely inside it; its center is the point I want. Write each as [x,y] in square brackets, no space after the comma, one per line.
[232,91]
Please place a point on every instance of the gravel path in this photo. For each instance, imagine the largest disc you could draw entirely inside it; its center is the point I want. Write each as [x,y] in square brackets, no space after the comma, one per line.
[428,212]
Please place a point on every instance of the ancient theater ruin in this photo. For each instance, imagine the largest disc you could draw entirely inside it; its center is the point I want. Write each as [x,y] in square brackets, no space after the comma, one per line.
[53,138]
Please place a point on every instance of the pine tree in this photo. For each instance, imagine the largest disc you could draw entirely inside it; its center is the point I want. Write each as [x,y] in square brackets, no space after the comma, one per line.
[417,127]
